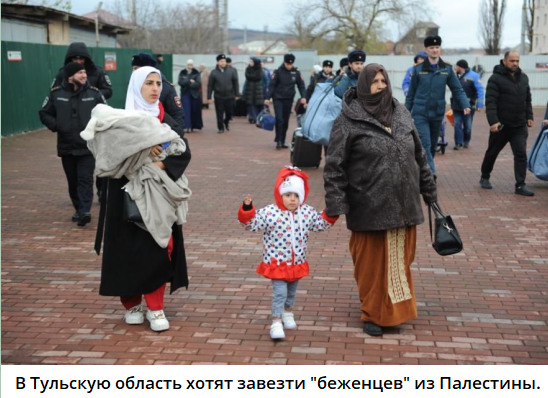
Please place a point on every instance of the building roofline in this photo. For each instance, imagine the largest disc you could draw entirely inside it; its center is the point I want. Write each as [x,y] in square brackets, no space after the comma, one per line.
[37,13]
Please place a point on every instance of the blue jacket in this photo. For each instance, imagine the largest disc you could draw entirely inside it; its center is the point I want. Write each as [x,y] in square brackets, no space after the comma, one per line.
[350,80]
[426,96]
[407,80]
[473,89]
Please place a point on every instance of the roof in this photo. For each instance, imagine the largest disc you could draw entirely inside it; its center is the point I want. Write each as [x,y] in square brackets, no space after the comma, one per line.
[40,14]
[108,18]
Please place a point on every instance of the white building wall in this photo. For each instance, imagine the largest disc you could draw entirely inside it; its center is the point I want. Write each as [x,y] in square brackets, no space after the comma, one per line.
[540,27]
[23,31]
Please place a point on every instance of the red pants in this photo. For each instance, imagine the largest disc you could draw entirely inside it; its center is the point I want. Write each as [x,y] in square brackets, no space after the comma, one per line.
[155,299]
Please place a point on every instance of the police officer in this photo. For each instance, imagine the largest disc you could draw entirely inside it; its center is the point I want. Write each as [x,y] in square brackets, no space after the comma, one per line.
[426,97]
[168,97]
[78,52]
[66,111]
[326,74]
[282,90]
[350,75]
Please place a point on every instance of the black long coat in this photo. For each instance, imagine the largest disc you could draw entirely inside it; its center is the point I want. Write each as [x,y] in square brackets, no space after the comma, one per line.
[133,263]
[253,91]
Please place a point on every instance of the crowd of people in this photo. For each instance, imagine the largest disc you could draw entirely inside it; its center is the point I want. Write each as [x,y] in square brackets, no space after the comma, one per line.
[379,164]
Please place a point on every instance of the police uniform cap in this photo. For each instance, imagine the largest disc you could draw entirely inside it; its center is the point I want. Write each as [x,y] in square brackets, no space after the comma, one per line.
[432,40]
[72,68]
[228,60]
[356,56]
[143,59]
[343,62]
[220,56]
[328,63]
[289,58]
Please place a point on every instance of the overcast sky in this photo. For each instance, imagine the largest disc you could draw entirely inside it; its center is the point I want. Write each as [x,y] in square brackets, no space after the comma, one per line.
[458,20]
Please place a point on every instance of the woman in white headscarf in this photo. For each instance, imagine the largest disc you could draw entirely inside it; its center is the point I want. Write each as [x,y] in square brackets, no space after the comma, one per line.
[134,265]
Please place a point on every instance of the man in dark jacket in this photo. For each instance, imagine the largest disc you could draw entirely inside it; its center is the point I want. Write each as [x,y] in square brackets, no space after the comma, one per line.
[223,85]
[78,52]
[325,75]
[168,97]
[282,90]
[66,111]
[426,97]
[509,113]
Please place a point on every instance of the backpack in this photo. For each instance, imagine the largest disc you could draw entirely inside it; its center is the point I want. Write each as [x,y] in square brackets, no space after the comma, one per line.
[323,109]
[538,156]
[265,120]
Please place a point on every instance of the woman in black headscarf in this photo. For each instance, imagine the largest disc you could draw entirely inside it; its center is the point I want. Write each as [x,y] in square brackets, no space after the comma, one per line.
[375,173]
[253,89]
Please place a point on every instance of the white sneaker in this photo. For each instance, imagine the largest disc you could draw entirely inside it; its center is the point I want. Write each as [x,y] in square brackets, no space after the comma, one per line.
[277,331]
[158,320]
[134,316]
[288,320]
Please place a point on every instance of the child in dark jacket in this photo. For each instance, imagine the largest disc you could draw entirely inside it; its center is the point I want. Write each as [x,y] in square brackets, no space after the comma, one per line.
[285,225]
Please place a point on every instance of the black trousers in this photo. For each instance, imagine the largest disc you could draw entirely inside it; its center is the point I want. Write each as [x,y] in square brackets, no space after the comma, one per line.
[223,110]
[79,172]
[517,137]
[282,110]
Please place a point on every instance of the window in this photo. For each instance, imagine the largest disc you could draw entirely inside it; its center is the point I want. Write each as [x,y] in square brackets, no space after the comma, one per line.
[421,33]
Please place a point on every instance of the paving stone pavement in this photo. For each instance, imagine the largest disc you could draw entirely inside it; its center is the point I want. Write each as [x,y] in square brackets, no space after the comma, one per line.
[486,305]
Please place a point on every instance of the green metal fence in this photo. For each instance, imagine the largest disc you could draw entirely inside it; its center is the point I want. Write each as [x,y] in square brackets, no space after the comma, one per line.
[26,83]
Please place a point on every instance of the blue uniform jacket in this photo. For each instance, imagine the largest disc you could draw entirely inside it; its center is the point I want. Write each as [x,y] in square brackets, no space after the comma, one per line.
[471,84]
[407,80]
[350,80]
[426,96]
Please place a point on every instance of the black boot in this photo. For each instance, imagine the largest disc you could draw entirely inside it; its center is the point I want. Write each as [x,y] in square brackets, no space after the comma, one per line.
[371,329]
[278,145]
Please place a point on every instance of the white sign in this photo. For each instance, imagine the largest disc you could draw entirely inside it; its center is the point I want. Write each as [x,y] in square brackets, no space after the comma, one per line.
[14,56]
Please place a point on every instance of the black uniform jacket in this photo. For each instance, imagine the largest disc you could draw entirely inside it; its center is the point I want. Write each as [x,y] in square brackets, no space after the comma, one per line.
[282,85]
[508,98]
[171,102]
[133,263]
[96,74]
[67,113]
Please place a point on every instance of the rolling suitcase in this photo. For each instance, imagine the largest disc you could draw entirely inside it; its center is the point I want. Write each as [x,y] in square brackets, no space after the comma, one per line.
[303,152]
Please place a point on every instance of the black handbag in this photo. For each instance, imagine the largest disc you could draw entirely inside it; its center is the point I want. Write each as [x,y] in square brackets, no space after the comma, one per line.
[131,211]
[446,239]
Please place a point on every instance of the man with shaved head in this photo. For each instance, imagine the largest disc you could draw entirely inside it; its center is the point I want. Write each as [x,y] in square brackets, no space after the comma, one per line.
[509,113]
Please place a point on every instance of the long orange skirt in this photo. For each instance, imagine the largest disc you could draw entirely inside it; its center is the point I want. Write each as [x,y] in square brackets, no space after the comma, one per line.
[382,269]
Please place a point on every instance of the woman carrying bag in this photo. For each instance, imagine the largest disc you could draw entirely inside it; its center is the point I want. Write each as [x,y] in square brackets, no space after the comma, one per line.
[140,258]
[375,173]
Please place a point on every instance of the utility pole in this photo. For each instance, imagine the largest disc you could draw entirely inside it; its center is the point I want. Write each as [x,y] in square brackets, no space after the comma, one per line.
[522,49]
[97,40]
[221,19]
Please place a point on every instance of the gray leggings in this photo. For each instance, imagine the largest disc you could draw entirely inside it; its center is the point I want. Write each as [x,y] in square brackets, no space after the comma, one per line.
[283,296]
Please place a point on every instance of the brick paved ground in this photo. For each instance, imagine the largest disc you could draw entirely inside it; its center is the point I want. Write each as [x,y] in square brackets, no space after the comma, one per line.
[486,305]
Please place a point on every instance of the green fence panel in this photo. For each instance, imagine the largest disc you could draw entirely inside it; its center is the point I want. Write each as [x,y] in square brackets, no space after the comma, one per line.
[26,83]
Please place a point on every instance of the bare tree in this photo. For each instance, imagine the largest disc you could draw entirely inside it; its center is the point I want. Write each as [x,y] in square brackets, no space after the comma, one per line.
[169,29]
[530,21]
[491,20]
[358,23]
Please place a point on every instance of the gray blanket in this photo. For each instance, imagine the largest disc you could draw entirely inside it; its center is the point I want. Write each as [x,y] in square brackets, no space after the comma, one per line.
[120,141]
